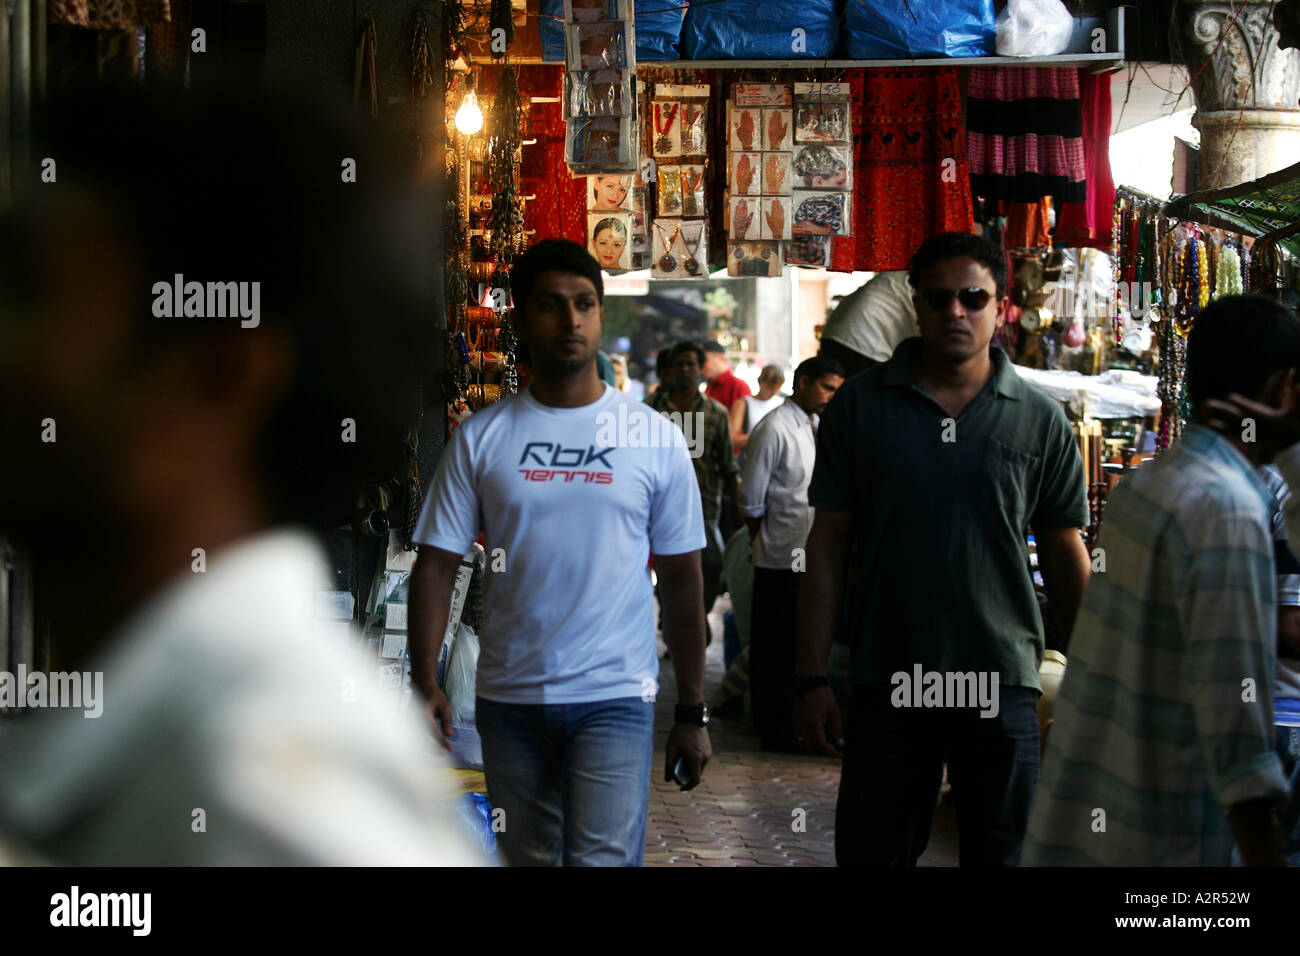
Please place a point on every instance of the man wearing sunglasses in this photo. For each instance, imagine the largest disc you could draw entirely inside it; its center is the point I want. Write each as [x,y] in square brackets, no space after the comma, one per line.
[930,469]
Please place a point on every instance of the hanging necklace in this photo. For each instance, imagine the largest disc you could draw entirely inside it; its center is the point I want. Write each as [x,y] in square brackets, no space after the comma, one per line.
[692,264]
[663,144]
[689,182]
[692,131]
[667,263]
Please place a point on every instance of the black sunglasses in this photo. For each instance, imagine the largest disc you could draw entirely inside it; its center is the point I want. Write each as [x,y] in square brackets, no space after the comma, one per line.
[973,298]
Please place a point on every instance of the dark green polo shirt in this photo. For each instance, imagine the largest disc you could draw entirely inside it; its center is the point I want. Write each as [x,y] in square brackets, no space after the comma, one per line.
[941,575]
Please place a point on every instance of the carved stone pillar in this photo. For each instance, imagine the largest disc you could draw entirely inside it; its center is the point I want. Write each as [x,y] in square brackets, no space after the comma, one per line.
[1247,90]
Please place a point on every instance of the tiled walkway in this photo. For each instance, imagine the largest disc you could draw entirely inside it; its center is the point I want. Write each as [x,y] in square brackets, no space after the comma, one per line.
[745,810]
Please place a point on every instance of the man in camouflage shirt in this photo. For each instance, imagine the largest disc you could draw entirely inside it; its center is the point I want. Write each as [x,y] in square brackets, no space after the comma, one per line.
[708,436]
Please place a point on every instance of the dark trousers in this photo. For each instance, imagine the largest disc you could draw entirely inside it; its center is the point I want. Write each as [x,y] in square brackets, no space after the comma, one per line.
[893,766]
[853,362]
[772,654]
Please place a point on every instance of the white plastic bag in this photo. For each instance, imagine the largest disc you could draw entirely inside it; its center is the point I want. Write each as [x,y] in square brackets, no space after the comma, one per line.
[1034,28]
[459,682]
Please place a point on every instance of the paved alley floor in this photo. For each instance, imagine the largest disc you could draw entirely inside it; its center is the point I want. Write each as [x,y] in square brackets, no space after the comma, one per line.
[751,808]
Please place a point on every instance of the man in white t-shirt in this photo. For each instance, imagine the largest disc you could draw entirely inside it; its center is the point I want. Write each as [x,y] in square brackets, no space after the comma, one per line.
[748,410]
[575,485]
[868,324]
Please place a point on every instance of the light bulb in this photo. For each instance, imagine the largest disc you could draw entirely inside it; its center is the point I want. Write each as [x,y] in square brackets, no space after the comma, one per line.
[469,118]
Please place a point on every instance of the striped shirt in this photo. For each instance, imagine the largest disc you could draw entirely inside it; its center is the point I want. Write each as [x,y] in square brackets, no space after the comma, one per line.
[1165,716]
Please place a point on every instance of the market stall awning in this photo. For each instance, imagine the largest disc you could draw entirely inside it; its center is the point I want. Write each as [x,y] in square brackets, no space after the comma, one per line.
[1264,207]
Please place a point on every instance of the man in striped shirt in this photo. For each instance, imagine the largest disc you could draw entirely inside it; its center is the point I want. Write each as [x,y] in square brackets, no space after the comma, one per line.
[1162,750]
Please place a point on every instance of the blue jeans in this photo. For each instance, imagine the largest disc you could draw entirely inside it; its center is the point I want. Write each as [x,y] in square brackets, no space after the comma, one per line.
[573,779]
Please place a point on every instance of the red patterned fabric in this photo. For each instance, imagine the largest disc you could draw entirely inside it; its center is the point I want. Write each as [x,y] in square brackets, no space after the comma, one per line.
[1089,223]
[906,124]
[560,207]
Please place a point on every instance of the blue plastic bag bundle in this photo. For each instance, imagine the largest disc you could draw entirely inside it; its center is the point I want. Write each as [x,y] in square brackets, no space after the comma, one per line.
[550,24]
[658,29]
[919,29]
[760,30]
[476,814]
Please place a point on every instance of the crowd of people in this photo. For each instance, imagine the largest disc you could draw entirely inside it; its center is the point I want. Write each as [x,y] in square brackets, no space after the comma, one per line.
[887,509]
[891,509]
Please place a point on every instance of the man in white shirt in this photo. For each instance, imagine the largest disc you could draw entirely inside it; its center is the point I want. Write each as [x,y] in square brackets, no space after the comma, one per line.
[158,461]
[868,324]
[576,485]
[774,499]
[748,410]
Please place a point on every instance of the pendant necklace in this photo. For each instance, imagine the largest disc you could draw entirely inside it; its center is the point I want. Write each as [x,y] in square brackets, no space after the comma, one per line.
[692,264]
[663,144]
[667,262]
[690,180]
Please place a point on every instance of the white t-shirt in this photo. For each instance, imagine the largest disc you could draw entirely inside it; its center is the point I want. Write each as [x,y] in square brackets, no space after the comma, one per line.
[576,499]
[223,694]
[758,407]
[875,318]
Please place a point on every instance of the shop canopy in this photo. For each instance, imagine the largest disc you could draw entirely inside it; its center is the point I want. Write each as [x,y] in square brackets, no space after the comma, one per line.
[1268,207]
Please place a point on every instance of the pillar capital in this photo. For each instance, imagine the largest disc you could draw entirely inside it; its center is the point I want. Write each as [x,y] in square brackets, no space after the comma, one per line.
[1247,89]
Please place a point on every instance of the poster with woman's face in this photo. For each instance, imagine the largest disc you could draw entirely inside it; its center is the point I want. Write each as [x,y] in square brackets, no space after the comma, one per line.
[609,239]
[609,193]
[823,167]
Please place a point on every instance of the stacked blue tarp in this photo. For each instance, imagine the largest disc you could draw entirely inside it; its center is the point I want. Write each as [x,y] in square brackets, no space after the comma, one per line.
[919,29]
[658,29]
[760,30]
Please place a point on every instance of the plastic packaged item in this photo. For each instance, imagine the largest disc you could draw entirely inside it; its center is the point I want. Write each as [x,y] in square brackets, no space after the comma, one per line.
[600,144]
[753,259]
[821,113]
[694,128]
[1034,28]
[599,46]
[459,680]
[692,182]
[908,29]
[670,191]
[761,30]
[658,29]
[590,11]
[821,213]
[600,93]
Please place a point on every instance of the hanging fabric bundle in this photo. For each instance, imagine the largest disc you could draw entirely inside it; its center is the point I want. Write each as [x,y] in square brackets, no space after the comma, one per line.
[1024,130]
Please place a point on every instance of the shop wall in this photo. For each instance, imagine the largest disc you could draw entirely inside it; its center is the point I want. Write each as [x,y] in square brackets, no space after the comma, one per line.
[312,44]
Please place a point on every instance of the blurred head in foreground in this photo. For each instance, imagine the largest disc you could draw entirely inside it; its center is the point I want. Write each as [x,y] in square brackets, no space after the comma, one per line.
[205,329]
[213,324]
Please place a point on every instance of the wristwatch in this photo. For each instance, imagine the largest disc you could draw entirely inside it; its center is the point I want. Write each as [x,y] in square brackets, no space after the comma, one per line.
[697,714]
[804,684]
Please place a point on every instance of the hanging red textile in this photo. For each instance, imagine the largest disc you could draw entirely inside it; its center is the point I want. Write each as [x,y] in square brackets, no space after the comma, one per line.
[560,207]
[910,167]
[1088,223]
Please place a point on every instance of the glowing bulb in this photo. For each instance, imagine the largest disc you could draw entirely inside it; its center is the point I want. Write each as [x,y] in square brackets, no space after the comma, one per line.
[469,118]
